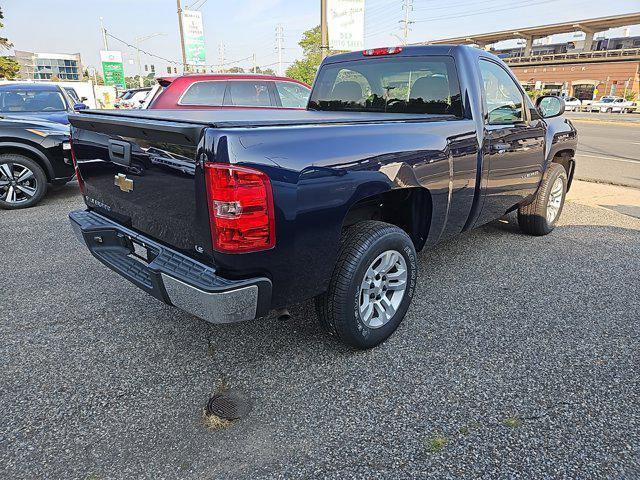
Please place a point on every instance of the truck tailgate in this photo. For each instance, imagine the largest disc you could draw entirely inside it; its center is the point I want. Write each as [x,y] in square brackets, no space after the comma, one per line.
[143,174]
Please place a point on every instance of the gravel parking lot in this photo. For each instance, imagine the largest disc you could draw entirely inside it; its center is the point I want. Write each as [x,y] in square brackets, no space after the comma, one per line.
[520,358]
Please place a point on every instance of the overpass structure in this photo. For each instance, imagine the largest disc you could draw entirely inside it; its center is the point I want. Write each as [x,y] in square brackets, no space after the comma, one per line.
[586,69]
[590,27]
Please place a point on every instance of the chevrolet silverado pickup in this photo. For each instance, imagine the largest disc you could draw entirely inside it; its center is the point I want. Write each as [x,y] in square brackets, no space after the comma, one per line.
[230,214]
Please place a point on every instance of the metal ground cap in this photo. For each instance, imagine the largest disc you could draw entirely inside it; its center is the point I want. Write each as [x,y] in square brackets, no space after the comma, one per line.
[229,405]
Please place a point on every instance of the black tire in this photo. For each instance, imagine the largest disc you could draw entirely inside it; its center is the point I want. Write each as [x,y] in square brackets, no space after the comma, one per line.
[339,307]
[609,110]
[532,218]
[37,183]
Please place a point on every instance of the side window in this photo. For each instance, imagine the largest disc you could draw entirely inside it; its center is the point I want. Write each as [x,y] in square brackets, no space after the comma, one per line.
[249,93]
[204,93]
[292,95]
[504,99]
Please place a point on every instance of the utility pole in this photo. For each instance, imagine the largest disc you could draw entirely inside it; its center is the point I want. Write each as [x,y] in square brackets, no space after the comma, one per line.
[279,40]
[103,31]
[221,47]
[181,28]
[253,57]
[138,40]
[324,33]
[407,5]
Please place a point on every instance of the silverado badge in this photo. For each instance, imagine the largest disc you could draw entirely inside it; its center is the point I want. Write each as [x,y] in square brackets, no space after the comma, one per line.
[125,184]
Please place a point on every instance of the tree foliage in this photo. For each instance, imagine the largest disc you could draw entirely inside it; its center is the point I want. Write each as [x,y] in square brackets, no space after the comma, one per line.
[305,69]
[8,68]
[5,44]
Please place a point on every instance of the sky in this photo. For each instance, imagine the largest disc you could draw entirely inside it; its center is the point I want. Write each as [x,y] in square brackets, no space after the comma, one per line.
[246,27]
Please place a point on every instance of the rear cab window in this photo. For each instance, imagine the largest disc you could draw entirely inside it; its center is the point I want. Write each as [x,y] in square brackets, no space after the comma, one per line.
[427,85]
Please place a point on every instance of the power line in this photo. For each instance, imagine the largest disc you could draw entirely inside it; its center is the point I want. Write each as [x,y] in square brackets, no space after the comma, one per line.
[407,7]
[482,12]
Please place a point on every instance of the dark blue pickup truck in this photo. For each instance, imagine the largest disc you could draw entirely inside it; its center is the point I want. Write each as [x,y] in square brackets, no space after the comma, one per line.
[230,214]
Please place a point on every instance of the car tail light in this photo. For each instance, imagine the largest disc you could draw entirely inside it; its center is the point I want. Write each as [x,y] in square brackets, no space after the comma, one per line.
[375,52]
[240,202]
[75,166]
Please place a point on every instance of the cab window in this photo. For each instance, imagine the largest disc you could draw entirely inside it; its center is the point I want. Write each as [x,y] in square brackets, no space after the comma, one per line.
[504,98]
[292,95]
[426,85]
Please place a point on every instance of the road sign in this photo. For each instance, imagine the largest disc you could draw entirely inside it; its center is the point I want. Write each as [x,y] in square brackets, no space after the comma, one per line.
[345,22]
[193,37]
[112,68]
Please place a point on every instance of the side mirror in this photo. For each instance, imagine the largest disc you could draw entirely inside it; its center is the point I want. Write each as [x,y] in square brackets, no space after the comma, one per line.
[83,99]
[80,106]
[550,106]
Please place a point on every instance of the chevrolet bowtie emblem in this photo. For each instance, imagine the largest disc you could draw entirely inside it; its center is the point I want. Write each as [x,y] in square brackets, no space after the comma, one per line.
[125,184]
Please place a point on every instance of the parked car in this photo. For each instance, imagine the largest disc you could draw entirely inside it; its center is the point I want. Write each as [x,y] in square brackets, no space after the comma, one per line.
[611,104]
[224,91]
[572,103]
[73,95]
[230,214]
[132,98]
[33,154]
[38,101]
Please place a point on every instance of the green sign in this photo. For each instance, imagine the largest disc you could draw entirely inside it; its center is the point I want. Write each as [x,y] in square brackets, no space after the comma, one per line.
[194,46]
[112,68]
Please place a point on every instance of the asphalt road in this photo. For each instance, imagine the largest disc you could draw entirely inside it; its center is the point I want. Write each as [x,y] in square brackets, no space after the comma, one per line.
[609,151]
[519,358]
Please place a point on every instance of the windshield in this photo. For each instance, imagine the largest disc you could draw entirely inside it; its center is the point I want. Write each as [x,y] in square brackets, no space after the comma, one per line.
[31,101]
[607,100]
[396,85]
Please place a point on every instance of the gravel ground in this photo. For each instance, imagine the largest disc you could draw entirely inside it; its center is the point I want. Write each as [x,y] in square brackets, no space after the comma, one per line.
[519,358]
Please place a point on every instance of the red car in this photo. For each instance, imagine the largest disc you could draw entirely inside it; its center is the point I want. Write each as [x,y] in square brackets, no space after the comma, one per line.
[228,91]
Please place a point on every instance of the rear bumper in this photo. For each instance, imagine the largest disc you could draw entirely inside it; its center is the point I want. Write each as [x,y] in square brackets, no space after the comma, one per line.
[170,276]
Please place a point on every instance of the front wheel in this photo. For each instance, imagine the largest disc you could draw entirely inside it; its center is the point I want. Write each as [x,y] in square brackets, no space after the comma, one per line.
[372,284]
[23,183]
[540,216]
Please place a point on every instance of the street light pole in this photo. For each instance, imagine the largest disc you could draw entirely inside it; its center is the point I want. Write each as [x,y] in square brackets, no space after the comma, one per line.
[181,28]
[103,31]
[324,32]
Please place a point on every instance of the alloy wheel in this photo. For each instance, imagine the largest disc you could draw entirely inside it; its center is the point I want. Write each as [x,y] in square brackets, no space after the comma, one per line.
[382,288]
[555,200]
[17,183]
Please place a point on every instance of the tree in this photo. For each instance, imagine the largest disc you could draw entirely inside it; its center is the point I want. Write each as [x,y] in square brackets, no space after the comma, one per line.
[5,44]
[305,69]
[8,68]
[235,70]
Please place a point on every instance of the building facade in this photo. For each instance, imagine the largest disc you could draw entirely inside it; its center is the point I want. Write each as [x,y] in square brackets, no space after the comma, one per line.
[49,66]
[584,81]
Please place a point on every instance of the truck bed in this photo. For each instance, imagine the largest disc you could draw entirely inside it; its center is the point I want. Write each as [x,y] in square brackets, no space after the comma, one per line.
[255,117]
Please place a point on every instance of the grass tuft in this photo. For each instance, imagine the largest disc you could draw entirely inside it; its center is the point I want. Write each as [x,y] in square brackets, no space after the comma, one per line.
[437,443]
[512,422]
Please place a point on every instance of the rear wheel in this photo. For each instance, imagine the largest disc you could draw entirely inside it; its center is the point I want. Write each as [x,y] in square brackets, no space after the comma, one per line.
[372,284]
[23,183]
[540,216]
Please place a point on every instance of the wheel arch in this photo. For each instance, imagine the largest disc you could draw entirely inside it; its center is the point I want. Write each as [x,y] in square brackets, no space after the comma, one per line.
[30,152]
[408,208]
[565,158]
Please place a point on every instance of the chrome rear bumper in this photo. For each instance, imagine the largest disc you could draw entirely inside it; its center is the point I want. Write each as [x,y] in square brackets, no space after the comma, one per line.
[170,276]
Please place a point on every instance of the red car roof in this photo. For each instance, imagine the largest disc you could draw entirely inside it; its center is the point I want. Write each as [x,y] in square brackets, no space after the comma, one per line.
[228,76]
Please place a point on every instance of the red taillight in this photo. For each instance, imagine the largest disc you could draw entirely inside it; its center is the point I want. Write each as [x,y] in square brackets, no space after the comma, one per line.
[75,166]
[240,203]
[374,52]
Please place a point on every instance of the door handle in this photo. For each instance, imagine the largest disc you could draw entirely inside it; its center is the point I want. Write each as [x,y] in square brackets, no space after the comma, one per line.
[120,152]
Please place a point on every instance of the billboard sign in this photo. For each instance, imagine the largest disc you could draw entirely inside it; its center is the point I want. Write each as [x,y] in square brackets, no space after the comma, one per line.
[193,37]
[345,23]
[112,68]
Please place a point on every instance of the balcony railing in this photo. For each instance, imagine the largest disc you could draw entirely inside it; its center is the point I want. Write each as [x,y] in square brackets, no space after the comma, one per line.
[576,56]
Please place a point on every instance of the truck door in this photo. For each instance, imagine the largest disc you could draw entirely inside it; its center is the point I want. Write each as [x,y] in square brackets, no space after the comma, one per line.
[514,143]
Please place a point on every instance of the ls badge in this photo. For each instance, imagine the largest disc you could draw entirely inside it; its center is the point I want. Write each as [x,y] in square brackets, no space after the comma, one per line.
[125,184]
